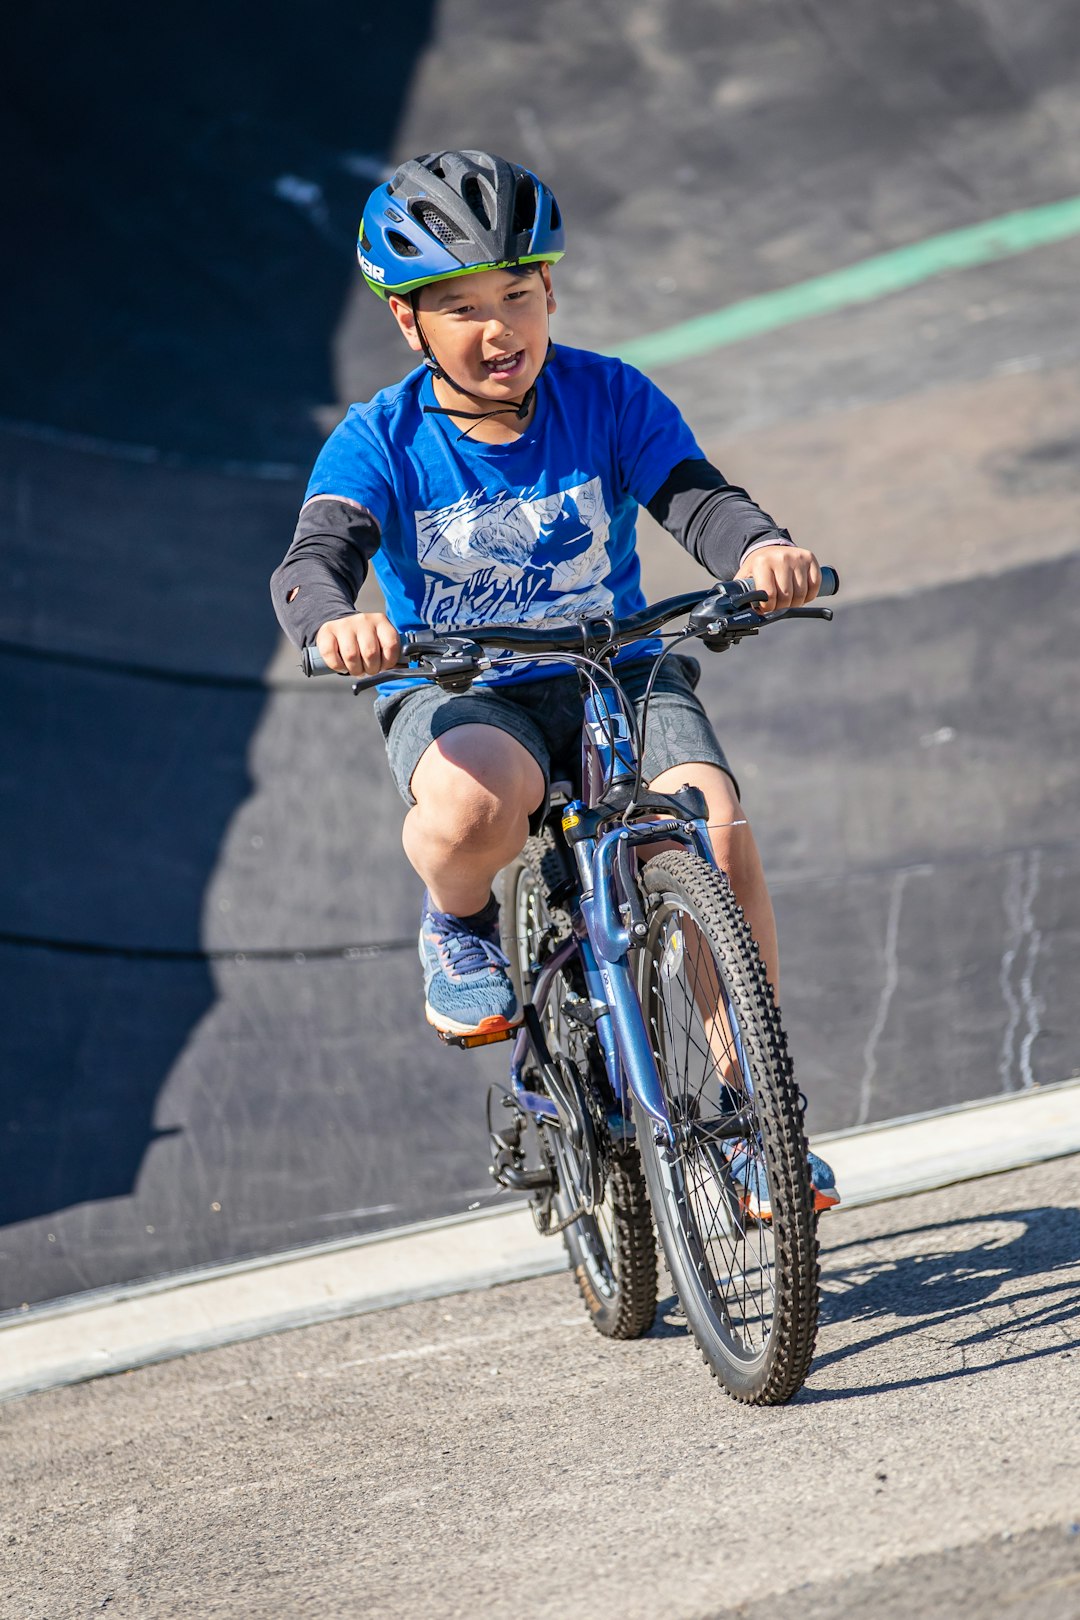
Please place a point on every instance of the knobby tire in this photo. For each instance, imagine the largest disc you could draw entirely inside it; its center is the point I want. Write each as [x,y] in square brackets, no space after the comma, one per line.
[749,1287]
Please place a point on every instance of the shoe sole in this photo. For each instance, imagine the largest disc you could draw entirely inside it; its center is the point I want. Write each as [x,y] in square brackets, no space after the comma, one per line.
[755,1212]
[493,1025]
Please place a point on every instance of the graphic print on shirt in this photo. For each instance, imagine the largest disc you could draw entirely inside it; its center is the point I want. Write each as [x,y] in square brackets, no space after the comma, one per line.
[515,558]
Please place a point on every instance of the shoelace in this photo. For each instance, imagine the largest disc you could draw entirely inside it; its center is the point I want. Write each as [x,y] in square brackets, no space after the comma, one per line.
[460,951]
[745,1161]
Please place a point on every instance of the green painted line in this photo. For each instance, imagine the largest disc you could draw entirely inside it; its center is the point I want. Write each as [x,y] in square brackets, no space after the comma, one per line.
[858,283]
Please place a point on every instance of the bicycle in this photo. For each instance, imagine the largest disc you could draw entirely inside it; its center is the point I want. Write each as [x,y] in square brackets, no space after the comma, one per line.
[650,1068]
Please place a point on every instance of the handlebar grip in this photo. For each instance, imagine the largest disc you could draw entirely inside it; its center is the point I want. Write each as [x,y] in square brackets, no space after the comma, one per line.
[312,662]
[830,582]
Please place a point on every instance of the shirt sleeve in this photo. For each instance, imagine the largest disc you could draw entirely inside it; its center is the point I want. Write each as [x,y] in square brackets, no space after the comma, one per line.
[652,435]
[324,567]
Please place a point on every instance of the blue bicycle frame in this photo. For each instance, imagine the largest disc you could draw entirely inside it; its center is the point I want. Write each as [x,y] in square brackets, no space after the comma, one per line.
[609,921]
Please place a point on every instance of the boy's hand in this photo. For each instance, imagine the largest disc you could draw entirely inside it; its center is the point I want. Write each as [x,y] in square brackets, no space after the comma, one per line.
[789,574]
[359,644]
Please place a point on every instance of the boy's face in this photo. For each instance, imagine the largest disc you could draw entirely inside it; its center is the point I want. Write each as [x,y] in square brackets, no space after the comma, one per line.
[489,330]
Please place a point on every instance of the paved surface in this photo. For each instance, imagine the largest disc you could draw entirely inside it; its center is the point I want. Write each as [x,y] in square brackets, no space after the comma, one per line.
[194,1053]
[491,1454]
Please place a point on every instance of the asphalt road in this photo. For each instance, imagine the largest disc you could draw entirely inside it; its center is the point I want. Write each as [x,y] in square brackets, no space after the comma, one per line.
[490,1454]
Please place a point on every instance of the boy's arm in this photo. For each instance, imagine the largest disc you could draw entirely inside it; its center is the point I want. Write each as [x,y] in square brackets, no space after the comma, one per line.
[315,589]
[721,528]
[324,567]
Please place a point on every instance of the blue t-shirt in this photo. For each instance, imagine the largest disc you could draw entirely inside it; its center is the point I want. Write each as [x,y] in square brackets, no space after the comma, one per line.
[537,531]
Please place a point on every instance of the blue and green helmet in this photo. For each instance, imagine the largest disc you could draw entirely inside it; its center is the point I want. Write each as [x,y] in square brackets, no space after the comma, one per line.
[451,213]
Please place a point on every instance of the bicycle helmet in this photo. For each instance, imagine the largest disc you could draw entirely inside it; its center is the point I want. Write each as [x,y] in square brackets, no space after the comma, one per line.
[450,213]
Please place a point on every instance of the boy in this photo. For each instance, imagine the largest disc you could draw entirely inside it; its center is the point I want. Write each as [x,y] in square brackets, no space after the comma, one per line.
[499,483]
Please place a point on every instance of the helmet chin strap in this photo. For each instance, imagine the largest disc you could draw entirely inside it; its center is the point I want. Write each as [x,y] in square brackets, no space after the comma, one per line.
[518,408]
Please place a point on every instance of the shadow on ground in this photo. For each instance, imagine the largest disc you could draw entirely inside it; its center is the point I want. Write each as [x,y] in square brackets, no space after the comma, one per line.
[988,1288]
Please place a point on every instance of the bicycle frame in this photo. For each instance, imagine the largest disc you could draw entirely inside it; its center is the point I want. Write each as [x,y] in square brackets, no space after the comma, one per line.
[609,920]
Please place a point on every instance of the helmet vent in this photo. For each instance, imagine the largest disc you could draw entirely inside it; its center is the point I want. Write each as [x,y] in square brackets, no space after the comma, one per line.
[402,245]
[364,243]
[524,206]
[438,224]
[472,194]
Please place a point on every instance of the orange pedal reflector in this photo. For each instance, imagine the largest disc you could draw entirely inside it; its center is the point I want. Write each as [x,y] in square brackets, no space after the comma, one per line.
[484,1038]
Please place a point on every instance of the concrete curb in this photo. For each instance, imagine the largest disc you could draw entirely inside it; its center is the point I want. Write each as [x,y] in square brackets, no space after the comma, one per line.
[103,1333]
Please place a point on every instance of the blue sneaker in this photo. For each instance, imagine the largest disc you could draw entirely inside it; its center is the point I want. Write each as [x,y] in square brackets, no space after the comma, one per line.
[467,988]
[748,1174]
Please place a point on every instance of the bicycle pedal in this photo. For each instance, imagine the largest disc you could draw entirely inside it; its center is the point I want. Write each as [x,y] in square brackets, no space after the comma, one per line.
[485,1037]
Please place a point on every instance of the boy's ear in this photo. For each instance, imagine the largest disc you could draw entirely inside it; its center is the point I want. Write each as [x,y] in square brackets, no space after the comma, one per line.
[545,271]
[402,311]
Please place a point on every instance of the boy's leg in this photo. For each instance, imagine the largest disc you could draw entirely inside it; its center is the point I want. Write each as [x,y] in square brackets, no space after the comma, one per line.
[736,852]
[475,788]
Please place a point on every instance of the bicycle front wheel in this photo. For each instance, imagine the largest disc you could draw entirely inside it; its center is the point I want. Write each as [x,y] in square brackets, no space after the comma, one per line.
[731,1196]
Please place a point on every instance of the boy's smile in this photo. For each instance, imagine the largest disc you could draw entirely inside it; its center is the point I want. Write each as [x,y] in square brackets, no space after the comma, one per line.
[488,331]
[504,366]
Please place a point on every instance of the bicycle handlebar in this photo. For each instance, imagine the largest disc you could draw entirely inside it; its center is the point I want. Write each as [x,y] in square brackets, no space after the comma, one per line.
[726,599]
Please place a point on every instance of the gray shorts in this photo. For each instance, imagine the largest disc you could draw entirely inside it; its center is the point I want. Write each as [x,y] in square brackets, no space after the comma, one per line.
[545,717]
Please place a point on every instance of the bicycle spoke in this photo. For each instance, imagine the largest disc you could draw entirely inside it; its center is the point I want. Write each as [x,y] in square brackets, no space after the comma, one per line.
[693,1029]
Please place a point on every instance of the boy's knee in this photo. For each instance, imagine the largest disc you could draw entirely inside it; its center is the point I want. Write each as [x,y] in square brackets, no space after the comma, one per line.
[455,804]
[475,786]
[729,830]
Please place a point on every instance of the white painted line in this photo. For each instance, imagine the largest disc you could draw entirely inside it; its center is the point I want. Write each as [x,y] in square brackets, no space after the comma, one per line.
[100,1334]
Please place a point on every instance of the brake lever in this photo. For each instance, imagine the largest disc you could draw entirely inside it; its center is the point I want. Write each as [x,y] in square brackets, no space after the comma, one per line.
[453,661]
[719,627]
[433,646]
[797,613]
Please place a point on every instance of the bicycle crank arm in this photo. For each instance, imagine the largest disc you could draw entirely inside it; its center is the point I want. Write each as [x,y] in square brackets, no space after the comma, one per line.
[568,1114]
[523,1180]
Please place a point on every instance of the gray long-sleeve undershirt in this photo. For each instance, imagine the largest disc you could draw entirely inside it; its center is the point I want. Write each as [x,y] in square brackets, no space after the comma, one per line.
[320,575]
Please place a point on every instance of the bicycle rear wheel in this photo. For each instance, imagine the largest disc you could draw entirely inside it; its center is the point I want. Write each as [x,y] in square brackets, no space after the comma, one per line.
[732,1197]
[611,1246]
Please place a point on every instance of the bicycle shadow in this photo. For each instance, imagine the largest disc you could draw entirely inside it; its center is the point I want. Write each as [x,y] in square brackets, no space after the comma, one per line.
[988,1290]
[993,1290]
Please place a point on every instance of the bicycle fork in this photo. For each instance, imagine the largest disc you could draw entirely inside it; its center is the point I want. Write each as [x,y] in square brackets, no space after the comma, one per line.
[610,927]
